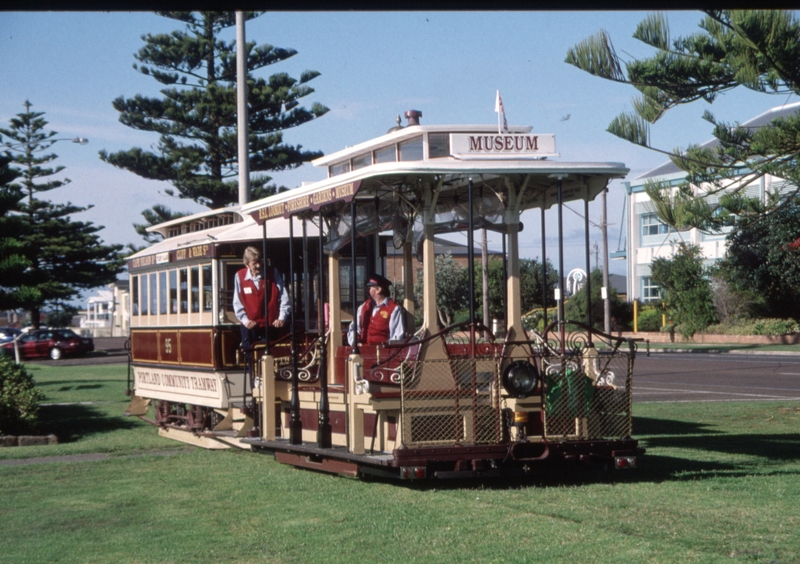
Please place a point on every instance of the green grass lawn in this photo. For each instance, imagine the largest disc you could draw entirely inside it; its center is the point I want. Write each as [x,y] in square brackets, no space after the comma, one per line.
[719,484]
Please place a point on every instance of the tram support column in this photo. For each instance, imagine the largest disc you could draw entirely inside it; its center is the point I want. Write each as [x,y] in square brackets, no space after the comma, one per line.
[408,277]
[334,315]
[430,318]
[268,398]
[514,303]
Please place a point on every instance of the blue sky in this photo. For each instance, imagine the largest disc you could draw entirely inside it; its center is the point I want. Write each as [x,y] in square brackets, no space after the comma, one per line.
[374,65]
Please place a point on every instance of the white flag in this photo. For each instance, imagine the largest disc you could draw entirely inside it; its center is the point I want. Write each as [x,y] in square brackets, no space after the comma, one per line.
[501,112]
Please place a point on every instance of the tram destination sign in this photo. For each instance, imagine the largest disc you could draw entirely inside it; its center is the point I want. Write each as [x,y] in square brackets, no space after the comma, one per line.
[467,146]
[309,201]
[178,255]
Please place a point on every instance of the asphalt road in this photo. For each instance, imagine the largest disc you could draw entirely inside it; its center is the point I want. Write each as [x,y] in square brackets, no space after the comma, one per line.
[679,377]
[698,377]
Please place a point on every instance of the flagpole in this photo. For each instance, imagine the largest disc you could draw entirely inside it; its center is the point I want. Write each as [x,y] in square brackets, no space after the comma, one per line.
[497,106]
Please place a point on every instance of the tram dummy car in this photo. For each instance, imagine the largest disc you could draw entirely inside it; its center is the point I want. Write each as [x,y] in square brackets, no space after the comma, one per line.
[445,402]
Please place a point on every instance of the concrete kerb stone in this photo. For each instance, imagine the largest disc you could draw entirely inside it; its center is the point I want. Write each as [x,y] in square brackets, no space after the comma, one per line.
[28,440]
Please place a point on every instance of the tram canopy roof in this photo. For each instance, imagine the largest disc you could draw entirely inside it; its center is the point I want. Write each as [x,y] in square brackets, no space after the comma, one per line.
[197,231]
[509,173]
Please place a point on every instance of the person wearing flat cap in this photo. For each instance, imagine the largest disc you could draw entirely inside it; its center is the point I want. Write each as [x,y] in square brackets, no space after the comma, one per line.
[380,318]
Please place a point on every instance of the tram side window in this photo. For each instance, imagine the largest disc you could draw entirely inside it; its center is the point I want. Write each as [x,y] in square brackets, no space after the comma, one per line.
[195,282]
[386,155]
[340,168]
[173,291]
[153,293]
[344,283]
[227,281]
[438,145]
[134,295]
[184,286]
[144,294]
[162,296]
[361,161]
[411,150]
[208,290]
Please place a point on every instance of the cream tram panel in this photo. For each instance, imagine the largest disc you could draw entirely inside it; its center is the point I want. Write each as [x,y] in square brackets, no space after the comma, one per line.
[201,388]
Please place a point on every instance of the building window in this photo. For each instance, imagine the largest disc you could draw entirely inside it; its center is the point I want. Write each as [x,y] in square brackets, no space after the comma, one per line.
[650,291]
[651,225]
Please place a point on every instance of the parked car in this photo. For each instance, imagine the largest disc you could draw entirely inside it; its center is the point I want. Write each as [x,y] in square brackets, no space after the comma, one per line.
[54,343]
[7,334]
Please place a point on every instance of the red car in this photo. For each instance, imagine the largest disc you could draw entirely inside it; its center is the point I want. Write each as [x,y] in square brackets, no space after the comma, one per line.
[54,343]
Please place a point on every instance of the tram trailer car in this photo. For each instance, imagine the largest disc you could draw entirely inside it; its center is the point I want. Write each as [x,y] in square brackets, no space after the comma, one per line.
[446,402]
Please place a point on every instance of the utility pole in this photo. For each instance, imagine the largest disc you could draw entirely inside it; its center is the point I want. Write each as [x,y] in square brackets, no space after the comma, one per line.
[241,110]
[604,231]
[485,278]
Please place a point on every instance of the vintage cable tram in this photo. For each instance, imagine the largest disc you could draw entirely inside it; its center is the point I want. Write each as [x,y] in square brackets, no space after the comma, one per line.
[446,402]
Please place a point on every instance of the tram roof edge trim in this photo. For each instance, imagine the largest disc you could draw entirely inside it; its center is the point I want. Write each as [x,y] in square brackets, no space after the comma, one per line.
[345,187]
[408,132]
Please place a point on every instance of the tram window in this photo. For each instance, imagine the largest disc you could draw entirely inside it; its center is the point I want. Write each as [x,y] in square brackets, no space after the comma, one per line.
[361,161]
[144,294]
[162,296]
[340,168]
[344,282]
[208,293]
[438,145]
[184,286]
[411,150]
[386,155]
[135,295]
[153,293]
[173,291]
[195,282]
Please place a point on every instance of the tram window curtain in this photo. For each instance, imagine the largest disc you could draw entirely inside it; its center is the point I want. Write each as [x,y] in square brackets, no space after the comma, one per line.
[145,285]
[184,286]
[173,291]
[153,294]
[195,284]
[162,292]
[208,290]
[134,295]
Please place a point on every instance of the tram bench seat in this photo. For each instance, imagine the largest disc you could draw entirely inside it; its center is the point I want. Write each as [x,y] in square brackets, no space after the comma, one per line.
[380,364]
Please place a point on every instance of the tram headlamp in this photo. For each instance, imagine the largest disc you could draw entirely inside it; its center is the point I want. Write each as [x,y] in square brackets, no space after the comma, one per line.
[520,378]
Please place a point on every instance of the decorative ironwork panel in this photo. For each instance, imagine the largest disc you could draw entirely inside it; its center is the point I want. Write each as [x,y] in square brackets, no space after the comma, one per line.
[588,395]
[451,402]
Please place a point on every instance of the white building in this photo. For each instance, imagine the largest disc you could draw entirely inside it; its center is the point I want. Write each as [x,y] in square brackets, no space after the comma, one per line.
[108,312]
[648,238]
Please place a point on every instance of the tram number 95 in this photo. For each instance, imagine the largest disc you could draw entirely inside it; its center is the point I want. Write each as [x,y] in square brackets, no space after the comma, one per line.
[168,346]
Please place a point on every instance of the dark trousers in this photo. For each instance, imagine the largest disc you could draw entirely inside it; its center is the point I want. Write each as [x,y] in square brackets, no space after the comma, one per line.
[258,334]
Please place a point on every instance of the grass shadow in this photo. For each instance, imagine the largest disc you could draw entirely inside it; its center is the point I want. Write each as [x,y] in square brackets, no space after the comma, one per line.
[73,422]
[648,426]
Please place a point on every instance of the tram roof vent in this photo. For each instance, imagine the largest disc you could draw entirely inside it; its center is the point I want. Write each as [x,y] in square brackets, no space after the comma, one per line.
[413,117]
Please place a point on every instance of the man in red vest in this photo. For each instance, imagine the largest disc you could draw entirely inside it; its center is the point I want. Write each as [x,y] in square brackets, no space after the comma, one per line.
[250,287]
[379,319]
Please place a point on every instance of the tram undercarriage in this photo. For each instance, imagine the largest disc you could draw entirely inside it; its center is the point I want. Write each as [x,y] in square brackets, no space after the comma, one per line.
[410,416]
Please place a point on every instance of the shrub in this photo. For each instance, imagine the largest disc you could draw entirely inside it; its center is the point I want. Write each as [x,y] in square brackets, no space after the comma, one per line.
[761,326]
[19,398]
[650,318]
